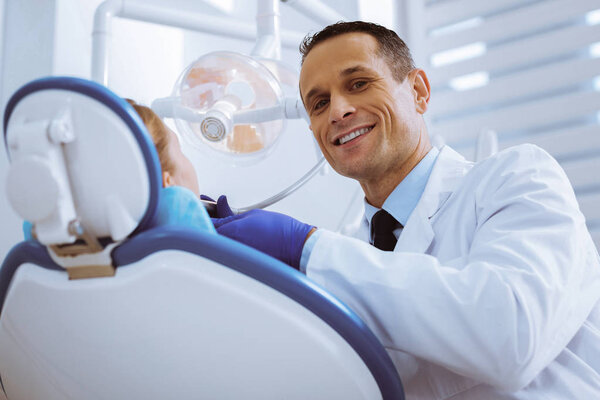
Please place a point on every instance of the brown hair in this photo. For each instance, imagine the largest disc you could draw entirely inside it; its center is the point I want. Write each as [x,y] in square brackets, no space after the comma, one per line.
[158,131]
[391,47]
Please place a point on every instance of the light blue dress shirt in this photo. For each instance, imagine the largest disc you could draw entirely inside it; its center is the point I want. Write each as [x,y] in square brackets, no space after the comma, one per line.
[400,203]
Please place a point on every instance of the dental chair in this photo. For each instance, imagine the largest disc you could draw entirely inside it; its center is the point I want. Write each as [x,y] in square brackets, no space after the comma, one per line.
[104,302]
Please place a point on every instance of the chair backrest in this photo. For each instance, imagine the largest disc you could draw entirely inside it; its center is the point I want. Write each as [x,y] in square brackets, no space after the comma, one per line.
[185,313]
[78,151]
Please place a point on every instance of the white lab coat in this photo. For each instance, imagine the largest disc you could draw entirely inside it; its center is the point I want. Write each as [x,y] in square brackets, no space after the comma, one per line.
[493,289]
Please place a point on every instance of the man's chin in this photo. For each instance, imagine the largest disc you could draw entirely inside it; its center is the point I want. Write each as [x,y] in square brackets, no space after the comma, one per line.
[354,171]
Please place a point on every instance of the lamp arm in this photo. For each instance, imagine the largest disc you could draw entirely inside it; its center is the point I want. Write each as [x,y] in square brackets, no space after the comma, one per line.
[288,190]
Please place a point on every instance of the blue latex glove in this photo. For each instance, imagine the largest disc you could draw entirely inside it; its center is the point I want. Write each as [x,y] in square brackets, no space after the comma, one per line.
[223,209]
[275,234]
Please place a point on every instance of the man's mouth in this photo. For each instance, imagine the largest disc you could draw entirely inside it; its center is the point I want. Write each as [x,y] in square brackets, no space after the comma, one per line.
[353,135]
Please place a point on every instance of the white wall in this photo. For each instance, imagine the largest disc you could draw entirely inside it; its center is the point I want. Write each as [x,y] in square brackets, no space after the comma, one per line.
[4,223]
[2,2]
[27,53]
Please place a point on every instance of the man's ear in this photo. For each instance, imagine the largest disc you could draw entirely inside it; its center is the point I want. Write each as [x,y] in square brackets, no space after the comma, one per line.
[167,179]
[422,90]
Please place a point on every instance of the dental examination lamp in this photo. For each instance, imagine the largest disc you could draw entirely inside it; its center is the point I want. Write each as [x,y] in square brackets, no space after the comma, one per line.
[232,103]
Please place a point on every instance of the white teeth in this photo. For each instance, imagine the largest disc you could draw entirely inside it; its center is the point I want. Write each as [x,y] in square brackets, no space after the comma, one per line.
[354,134]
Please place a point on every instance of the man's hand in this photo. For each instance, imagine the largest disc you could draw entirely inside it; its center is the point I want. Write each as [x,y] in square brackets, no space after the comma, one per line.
[222,208]
[275,234]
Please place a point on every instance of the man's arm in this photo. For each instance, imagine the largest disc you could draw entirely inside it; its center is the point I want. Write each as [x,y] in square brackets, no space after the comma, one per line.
[501,312]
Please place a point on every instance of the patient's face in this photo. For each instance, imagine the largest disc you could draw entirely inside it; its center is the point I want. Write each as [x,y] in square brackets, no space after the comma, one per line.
[183,173]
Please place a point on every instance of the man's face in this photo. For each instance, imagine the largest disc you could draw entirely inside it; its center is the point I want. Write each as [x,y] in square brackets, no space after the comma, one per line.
[366,122]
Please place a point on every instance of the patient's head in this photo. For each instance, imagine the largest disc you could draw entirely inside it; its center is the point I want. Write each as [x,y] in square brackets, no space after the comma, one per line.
[177,169]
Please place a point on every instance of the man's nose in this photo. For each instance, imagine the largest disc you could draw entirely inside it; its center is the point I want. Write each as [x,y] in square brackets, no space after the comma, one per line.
[340,108]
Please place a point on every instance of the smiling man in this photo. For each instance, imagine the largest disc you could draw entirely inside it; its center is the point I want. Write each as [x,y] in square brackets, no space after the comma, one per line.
[481,280]
[366,117]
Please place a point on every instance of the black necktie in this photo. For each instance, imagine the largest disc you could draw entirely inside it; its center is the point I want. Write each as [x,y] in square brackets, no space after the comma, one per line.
[382,230]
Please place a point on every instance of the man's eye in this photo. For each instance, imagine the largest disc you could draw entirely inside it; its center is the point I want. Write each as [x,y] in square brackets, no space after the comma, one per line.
[358,84]
[320,104]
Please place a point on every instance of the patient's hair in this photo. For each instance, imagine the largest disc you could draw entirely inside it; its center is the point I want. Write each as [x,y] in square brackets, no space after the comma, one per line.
[393,49]
[158,131]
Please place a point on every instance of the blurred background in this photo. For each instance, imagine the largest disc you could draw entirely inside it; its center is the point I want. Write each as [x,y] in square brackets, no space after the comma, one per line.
[522,70]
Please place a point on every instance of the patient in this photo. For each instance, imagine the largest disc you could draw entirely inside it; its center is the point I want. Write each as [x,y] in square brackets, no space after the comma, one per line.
[177,169]
[179,201]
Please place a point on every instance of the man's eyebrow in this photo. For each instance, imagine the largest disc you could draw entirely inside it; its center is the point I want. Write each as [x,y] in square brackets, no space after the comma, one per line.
[356,68]
[311,93]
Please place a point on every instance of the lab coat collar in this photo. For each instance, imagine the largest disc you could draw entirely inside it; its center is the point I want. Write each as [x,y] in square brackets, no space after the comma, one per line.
[448,171]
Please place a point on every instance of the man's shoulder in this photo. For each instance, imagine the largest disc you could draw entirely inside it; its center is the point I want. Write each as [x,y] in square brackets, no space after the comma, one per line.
[516,160]
[521,168]
[510,167]
[522,154]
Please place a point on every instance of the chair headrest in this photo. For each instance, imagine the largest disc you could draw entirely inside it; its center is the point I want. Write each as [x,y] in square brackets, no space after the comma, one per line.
[81,158]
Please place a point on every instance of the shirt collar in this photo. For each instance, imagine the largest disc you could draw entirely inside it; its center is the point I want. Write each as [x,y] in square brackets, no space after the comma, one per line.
[403,200]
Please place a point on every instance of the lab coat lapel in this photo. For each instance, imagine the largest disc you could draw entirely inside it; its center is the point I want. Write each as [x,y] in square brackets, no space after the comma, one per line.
[417,235]
[448,171]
